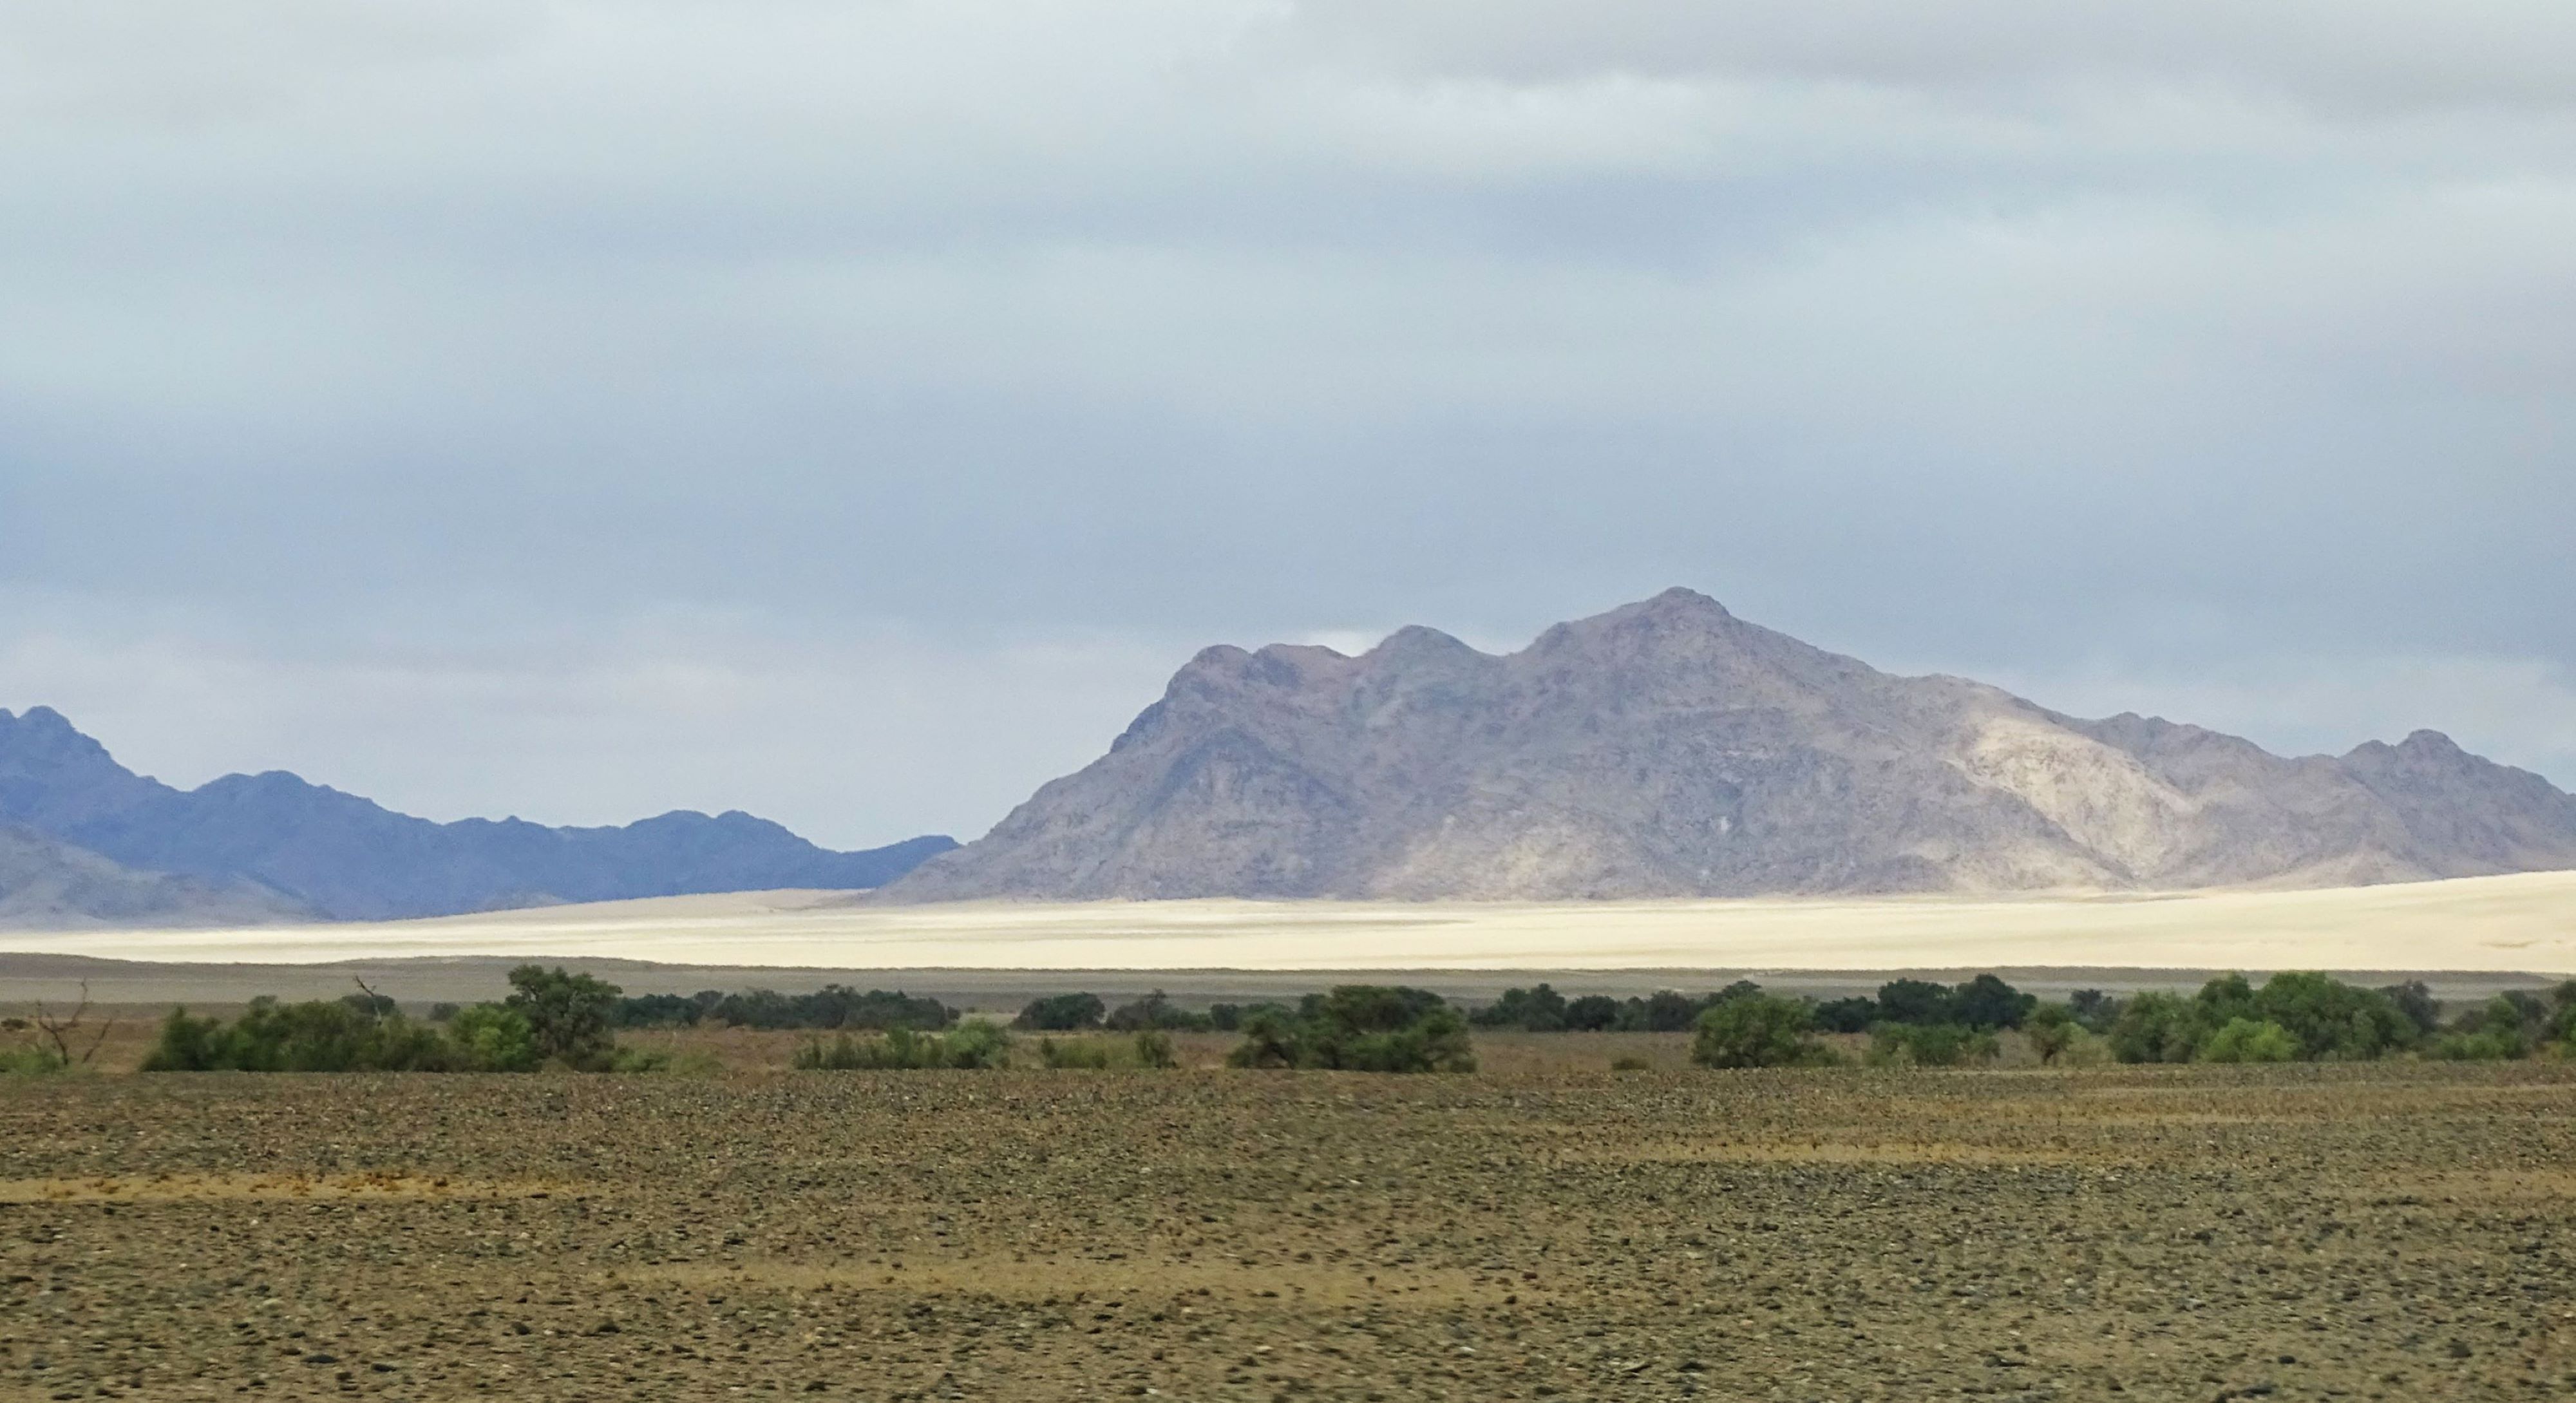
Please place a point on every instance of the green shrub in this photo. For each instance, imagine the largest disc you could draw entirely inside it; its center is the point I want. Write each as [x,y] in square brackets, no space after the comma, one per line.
[1930,1045]
[1085,1054]
[30,1060]
[973,1044]
[1359,1028]
[495,1038]
[1629,1062]
[1154,1049]
[1147,1048]
[1758,1031]
[2250,1040]
[2155,1027]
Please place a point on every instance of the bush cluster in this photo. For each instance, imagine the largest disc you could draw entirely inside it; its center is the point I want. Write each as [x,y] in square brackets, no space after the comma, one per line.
[550,1016]
[973,1044]
[1358,1028]
[1759,1030]
[1147,1048]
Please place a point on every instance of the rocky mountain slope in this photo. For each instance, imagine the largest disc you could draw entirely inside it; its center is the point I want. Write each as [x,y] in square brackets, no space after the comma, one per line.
[1671,749]
[285,846]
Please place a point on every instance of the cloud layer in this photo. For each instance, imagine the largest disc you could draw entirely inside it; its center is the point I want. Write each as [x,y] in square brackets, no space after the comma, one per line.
[2129,349]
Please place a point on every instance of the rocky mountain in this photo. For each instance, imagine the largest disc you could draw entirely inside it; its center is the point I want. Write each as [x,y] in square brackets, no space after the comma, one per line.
[302,848]
[46,882]
[1671,749]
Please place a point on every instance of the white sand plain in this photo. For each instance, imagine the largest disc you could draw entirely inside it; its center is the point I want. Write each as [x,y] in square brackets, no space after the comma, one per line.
[2521,923]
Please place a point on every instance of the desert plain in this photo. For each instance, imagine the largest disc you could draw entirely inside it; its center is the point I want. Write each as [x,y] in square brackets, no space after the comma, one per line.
[1544,1227]
[1547,1229]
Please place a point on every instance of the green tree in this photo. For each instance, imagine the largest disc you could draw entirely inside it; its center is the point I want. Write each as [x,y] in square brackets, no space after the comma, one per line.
[1272,1038]
[569,1015]
[2249,1040]
[2094,1009]
[1592,1013]
[2155,1027]
[2496,1031]
[2050,1029]
[1914,1001]
[2330,1019]
[1851,1015]
[1757,1031]
[1063,1013]
[1539,1010]
[2414,998]
[1988,1002]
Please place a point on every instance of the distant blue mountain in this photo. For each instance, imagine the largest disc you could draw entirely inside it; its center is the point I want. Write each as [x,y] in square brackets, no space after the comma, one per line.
[342,857]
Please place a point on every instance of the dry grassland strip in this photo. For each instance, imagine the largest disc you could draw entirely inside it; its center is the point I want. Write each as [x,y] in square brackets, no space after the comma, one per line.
[2405,1231]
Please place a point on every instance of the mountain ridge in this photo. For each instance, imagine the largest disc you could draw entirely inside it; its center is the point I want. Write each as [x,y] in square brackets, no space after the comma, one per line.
[332,855]
[1670,748]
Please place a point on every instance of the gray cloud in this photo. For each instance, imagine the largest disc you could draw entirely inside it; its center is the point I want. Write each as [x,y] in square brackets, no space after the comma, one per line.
[2113,347]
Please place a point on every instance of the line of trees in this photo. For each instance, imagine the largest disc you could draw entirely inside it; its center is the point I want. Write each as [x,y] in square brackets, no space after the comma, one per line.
[2290,1017]
[552,1017]
[1155,1012]
[833,1006]
[1544,1010]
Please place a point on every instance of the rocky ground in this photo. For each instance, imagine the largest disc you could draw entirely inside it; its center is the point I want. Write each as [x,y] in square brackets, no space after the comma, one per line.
[2397,1232]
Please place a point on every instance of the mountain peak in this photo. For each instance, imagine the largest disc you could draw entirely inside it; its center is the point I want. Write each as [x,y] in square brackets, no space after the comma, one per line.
[1667,748]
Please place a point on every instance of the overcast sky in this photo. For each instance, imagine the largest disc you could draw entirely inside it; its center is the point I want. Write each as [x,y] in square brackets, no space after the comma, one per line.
[852,411]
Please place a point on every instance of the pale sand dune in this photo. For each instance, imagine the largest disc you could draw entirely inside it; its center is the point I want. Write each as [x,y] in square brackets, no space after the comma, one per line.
[2524,923]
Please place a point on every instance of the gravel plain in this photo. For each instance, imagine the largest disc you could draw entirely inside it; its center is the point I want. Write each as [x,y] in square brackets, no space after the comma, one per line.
[2405,1231]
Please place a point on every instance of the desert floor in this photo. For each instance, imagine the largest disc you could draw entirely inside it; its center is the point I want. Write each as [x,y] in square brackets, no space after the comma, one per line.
[2524,923]
[1533,1230]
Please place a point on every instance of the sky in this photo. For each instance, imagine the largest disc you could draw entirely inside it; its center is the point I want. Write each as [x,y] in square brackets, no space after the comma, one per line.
[853,411]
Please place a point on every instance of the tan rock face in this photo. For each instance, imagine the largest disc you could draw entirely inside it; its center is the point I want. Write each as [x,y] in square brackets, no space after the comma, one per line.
[1669,748]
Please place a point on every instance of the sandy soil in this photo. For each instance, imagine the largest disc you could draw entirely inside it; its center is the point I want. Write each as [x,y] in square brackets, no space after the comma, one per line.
[2387,1232]
[2523,923]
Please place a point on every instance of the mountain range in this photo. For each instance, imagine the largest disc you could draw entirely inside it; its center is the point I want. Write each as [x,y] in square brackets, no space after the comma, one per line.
[1670,749]
[85,840]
